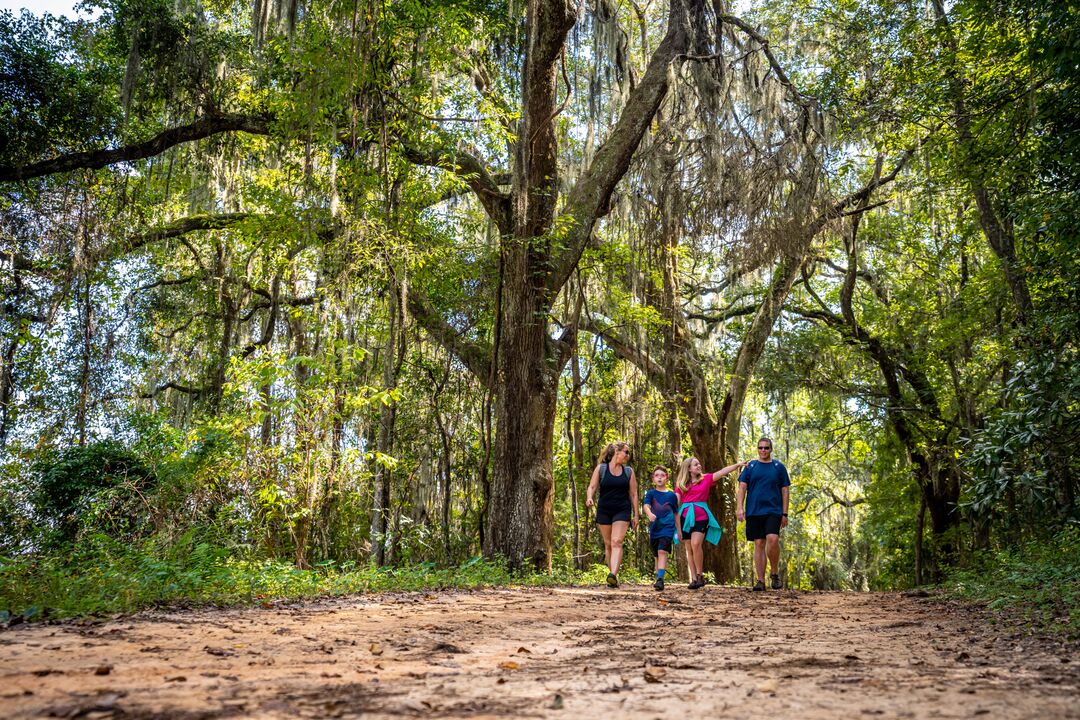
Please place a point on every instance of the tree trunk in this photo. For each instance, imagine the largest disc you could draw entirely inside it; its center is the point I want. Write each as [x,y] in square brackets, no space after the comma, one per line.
[393,357]
[574,454]
[519,516]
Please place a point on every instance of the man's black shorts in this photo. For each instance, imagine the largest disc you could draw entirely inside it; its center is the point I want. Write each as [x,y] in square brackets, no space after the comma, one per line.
[758,526]
[606,516]
[660,543]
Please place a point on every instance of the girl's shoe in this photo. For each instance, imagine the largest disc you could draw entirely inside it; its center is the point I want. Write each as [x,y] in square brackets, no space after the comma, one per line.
[759,586]
[696,583]
[776,584]
[659,584]
[612,581]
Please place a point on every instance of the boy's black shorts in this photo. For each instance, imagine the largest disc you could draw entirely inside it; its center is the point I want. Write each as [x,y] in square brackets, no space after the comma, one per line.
[660,543]
[758,526]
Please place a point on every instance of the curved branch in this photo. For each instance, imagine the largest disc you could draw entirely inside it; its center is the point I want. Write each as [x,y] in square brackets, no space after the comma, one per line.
[470,169]
[475,356]
[95,159]
[638,357]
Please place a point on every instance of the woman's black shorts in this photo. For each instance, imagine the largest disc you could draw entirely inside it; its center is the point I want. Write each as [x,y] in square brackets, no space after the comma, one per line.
[758,526]
[606,516]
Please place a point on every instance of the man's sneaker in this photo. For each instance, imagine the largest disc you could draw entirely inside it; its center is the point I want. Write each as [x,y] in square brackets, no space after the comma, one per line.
[696,583]
[659,584]
[612,581]
[759,586]
[776,584]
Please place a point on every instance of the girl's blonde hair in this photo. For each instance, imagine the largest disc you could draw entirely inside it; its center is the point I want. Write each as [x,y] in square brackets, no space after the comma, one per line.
[609,451]
[683,480]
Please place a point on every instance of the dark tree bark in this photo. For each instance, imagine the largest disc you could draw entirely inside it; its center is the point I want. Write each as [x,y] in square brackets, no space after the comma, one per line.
[95,159]
[393,358]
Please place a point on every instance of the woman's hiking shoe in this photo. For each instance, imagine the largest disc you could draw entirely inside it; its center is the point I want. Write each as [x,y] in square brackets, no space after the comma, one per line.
[759,586]
[612,581]
[659,584]
[776,584]
[696,583]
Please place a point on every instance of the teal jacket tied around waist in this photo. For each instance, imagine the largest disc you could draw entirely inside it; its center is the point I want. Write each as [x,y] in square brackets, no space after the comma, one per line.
[714,531]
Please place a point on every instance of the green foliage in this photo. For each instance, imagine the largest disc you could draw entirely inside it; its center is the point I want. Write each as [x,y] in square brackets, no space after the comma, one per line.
[102,485]
[1021,461]
[50,96]
[1039,580]
[102,575]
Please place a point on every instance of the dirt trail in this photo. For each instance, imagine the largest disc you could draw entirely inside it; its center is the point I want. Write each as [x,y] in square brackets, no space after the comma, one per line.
[552,653]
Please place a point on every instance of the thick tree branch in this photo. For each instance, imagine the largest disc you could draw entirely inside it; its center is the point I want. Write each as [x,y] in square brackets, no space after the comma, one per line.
[590,198]
[186,389]
[94,159]
[800,98]
[638,357]
[476,357]
[471,170]
[174,229]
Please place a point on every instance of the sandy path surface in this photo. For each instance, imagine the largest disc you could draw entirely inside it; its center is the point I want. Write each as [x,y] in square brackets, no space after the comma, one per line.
[552,653]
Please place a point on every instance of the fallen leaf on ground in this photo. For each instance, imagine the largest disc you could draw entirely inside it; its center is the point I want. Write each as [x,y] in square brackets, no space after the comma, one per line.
[448,648]
[103,669]
[769,686]
[654,674]
[376,649]
[525,650]
[509,665]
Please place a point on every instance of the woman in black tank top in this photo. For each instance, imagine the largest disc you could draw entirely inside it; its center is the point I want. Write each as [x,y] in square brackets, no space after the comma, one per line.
[617,508]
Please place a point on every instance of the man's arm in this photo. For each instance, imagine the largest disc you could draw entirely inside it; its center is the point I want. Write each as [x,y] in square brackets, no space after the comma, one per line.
[785,493]
[740,495]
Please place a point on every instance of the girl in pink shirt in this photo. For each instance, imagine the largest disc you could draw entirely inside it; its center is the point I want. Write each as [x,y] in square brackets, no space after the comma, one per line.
[696,522]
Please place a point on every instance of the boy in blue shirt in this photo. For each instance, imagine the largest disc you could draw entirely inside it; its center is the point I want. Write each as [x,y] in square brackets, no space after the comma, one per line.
[660,505]
[764,484]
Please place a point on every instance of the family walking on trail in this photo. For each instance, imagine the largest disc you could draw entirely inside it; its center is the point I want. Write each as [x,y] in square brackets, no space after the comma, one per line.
[684,516]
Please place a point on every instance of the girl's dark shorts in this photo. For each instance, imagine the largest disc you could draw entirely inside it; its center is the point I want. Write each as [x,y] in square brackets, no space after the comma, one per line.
[606,516]
[700,526]
[660,543]
[758,526]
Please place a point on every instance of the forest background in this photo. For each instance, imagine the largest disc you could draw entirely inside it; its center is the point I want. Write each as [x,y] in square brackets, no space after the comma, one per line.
[324,296]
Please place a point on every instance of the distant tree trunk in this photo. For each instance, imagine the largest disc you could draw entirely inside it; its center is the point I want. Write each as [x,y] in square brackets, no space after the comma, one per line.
[7,370]
[303,429]
[444,463]
[998,232]
[574,452]
[920,525]
[393,358]
[87,317]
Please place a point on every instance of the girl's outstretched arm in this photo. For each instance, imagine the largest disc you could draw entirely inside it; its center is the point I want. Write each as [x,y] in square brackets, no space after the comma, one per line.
[728,469]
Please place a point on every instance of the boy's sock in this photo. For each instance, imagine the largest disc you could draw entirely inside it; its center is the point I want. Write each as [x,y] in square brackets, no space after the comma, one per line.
[660,574]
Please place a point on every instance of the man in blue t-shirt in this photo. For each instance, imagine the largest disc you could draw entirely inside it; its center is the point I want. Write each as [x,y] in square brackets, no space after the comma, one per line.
[660,505]
[764,485]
